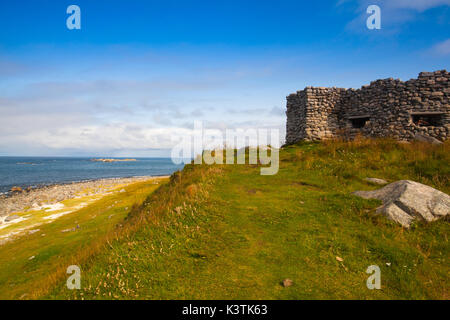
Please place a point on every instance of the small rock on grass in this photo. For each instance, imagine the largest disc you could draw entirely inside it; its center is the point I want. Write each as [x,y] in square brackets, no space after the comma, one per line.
[376,181]
[287,283]
[11,218]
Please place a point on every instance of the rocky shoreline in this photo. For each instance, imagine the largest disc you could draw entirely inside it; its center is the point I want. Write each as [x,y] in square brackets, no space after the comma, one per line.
[113,160]
[23,199]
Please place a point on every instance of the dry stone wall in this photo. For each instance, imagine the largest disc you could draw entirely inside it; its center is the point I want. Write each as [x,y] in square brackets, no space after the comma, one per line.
[385,108]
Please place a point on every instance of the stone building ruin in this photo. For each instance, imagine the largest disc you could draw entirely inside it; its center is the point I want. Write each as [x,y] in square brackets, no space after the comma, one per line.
[385,108]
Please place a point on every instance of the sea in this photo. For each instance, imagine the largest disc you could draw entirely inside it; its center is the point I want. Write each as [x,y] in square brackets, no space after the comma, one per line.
[41,171]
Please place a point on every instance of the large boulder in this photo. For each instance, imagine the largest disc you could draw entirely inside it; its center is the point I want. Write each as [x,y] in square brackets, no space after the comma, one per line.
[424,138]
[405,200]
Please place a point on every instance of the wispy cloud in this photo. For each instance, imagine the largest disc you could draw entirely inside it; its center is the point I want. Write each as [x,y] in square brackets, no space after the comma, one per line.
[442,48]
[394,13]
[277,111]
[93,112]
[418,5]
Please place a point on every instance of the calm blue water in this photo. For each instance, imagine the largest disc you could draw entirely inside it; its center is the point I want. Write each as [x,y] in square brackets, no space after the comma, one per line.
[36,171]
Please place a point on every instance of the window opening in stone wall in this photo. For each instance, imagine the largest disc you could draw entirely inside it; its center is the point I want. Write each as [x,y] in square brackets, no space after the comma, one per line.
[359,122]
[423,119]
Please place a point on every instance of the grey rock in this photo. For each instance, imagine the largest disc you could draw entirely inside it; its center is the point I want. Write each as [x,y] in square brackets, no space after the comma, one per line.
[11,218]
[376,181]
[405,200]
[424,138]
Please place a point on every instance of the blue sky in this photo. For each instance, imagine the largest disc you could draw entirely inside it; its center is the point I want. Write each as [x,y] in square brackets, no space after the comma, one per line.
[140,72]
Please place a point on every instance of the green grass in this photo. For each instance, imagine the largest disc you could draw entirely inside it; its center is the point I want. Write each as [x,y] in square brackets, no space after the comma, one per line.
[226,232]
[54,250]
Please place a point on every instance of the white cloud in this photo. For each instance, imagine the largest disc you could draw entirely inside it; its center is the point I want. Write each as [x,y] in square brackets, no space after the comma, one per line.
[418,5]
[278,111]
[394,13]
[93,138]
[442,48]
[107,117]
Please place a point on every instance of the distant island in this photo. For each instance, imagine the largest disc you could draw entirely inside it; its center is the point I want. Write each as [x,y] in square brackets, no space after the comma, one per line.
[112,160]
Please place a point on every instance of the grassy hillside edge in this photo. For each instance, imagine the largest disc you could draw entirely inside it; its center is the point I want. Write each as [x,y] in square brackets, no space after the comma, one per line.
[226,232]
[37,259]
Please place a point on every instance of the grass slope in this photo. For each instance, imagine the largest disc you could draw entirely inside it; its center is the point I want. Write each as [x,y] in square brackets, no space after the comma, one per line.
[32,263]
[226,232]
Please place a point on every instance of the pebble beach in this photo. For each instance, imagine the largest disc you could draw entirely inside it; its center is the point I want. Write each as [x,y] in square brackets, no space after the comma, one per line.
[24,199]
